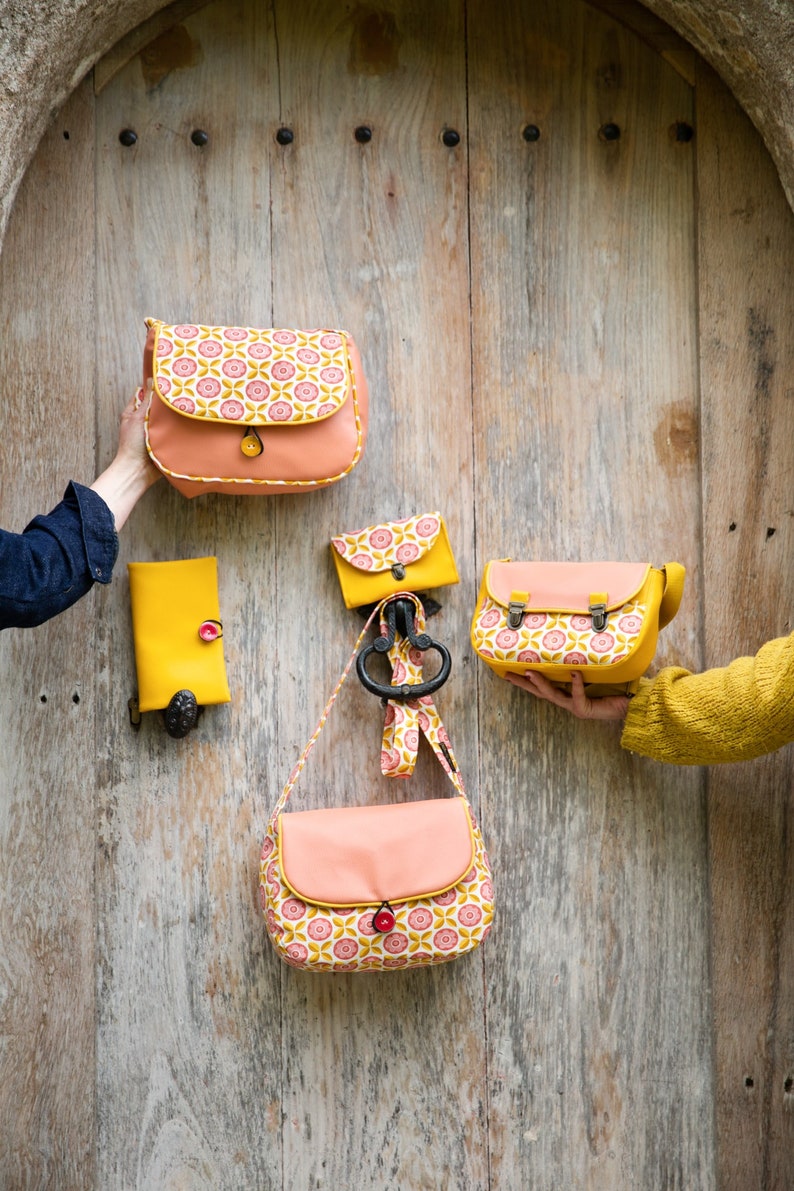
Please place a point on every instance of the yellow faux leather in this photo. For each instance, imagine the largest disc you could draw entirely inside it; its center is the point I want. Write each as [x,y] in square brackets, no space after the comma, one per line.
[601,619]
[382,560]
[172,603]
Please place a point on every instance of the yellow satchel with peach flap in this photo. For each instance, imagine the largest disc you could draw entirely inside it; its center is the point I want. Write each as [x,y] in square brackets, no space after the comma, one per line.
[601,619]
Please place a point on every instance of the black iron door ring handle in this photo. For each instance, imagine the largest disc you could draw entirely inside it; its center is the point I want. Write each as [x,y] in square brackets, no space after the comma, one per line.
[406,690]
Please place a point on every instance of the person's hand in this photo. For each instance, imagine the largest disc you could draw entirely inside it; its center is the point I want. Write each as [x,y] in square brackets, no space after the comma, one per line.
[611,707]
[131,471]
[132,444]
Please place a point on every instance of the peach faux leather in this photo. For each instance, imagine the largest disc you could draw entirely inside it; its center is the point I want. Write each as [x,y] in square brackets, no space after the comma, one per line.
[566,586]
[200,455]
[358,856]
[376,888]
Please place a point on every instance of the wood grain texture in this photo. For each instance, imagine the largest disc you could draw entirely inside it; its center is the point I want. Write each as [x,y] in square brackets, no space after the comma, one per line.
[188,1034]
[575,347]
[747,349]
[48,701]
[382,1075]
[585,414]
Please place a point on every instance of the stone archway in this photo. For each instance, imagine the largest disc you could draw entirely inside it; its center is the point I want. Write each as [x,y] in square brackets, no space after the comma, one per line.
[47,46]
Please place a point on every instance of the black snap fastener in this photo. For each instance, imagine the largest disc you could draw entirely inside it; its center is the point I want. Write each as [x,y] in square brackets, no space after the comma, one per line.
[199,137]
[128,138]
[450,137]
[531,133]
[285,136]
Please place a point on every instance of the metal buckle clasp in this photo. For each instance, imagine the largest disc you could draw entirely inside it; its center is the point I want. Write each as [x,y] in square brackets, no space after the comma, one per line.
[515,614]
[599,615]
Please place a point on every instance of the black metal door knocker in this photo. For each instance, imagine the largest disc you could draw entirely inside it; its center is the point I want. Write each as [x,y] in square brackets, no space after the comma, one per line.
[400,616]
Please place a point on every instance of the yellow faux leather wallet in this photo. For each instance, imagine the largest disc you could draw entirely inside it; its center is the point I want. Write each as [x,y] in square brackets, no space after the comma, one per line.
[409,555]
[601,619]
[177,633]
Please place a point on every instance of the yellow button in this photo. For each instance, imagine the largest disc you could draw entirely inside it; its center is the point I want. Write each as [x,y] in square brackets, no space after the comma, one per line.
[251,444]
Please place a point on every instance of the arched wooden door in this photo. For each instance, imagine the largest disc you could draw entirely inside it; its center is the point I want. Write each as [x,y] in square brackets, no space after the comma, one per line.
[575,321]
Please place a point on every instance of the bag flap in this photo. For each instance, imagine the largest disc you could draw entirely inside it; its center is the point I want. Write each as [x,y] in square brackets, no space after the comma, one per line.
[250,376]
[378,548]
[565,586]
[354,856]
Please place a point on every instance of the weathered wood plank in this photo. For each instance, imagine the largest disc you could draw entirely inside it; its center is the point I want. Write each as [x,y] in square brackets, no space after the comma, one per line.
[585,398]
[48,702]
[162,42]
[544,396]
[385,1075]
[189,1031]
[746,249]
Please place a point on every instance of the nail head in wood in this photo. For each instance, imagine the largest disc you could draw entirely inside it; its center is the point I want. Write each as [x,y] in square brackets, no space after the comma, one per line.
[450,137]
[531,133]
[199,137]
[128,137]
[285,136]
[363,134]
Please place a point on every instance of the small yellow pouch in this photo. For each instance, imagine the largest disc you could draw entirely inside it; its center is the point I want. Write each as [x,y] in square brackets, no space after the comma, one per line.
[409,555]
[177,631]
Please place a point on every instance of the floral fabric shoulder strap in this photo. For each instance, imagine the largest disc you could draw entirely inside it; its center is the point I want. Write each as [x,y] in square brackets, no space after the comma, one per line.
[406,718]
[423,716]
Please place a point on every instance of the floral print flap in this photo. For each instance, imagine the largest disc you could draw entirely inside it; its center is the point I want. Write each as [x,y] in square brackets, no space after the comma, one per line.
[240,374]
[380,547]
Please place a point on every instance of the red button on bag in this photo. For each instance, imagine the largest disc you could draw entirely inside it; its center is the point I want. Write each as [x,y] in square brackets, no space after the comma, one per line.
[210,630]
[384,919]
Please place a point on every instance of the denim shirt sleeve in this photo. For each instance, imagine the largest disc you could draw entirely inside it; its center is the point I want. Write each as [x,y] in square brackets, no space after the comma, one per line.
[56,559]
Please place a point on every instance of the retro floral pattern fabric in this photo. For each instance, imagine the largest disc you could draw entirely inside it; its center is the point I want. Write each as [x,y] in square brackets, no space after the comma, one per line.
[426,930]
[379,547]
[406,720]
[556,638]
[245,375]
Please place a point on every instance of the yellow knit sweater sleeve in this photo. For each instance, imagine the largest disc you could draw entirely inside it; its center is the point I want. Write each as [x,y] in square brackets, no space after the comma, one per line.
[729,714]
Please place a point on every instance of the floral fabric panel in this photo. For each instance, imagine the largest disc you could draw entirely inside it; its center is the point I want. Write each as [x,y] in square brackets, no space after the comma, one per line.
[406,718]
[379,547]
[557,638]
[426,931]
[240,374]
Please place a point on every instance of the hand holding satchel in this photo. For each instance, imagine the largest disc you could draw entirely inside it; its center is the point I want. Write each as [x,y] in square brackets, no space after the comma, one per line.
[253,411]
[601,619]
[373,888]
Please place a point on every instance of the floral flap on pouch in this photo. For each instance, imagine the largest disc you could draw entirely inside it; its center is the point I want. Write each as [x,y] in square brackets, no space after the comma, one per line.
[248,375]
[394,544]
